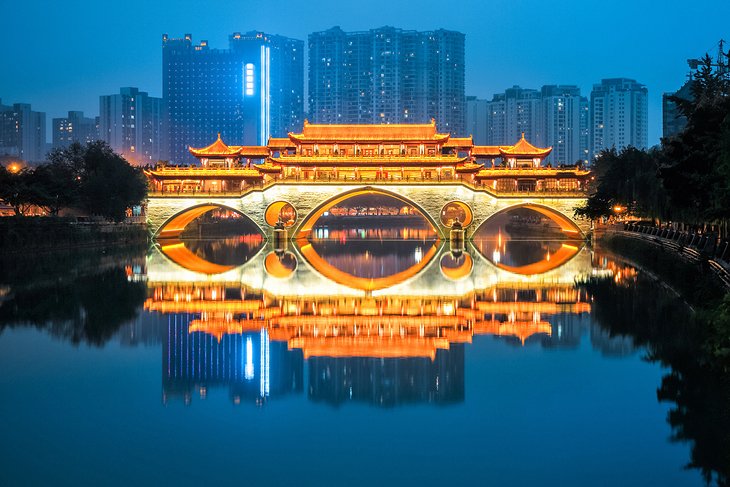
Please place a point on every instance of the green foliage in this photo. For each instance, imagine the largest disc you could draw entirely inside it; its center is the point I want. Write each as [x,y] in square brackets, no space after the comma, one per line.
[719,321]
[688,178]
[109,185]
[628,179]
[16,190]
[91,177]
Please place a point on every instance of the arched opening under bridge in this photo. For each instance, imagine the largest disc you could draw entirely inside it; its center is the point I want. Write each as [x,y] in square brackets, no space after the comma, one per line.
[363,206]
[209,239]
[528,239]
[226,216]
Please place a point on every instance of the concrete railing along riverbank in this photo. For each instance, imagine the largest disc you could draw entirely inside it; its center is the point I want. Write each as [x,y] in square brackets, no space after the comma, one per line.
[695,247]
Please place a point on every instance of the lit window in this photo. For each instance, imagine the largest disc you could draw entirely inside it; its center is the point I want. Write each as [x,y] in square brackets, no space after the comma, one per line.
[249,74]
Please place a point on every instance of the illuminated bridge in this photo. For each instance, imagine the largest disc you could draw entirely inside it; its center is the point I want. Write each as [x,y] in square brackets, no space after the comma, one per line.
[294,181]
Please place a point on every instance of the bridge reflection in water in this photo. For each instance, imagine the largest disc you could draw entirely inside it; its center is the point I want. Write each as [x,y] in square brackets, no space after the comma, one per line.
[371,319]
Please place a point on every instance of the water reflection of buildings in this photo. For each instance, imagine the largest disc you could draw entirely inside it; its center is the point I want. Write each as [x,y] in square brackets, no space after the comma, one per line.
[388,381]
[388,345]
[382,350]
[253,367]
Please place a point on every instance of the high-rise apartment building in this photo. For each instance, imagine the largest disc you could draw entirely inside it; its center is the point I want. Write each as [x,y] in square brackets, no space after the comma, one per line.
[133,123]
[22,132]
[476,119]
[619,115]
[512,113]
[563,119]
[388,75]
[555,116]
[247,93]
[673,122]
[74,128]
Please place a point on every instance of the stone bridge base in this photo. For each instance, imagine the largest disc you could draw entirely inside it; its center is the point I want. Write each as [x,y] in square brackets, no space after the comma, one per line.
[167,216]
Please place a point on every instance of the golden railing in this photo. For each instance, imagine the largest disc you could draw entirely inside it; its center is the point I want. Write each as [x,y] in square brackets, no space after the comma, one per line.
[370,178]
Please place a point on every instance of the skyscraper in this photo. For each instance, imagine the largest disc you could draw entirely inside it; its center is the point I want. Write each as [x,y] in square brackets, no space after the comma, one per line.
[512,113]
[388,75]
[476,119]
[554,116]
[563,123]
[619,115]
[247,93]
[133,123]
[22,132]
[74,128]
[673,122]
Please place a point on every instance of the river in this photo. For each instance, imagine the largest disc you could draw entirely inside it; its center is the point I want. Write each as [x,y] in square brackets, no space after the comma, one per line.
[358,356]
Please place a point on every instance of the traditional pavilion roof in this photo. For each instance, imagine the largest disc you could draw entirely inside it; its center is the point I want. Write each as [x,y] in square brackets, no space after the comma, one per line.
[369,133]
[280,143]
[487,150]
[524,148]
[254,151]
[460,142]
[216,149]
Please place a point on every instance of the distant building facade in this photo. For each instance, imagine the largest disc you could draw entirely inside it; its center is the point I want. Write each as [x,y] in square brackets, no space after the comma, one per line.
[386,76]
[673,122]
[249,92]
[619,115]
[22,132]
[74,128]
[554,116]
[133,123]
[564,123]
[512,113]
[476,119]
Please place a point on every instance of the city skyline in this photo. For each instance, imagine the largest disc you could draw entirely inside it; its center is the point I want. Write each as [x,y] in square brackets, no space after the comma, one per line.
[63,81]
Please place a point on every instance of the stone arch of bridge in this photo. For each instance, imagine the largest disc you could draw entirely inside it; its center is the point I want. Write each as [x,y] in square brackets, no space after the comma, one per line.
[305,228]
[565,223]
[175,225]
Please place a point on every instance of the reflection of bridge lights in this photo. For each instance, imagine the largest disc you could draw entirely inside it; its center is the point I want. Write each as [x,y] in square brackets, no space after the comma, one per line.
[418,254]
[248,369]
[496,257]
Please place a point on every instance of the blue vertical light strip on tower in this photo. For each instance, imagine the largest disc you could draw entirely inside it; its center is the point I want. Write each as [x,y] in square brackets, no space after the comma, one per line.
[265,95]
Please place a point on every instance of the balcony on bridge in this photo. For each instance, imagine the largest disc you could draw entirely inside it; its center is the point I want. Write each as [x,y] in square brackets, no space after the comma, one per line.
[384,154]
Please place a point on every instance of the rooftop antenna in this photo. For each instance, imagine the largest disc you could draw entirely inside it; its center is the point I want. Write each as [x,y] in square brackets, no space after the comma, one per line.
[721,60]
[722,57]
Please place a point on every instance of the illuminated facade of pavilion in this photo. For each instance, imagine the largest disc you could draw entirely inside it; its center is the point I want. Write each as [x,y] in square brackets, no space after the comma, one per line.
[369,153]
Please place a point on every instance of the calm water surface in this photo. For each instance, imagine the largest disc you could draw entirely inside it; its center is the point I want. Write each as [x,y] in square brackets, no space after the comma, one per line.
[352,358]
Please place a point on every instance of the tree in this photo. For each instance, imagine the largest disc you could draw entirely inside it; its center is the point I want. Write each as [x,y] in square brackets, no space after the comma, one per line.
[54,187]
[16,189]
[628,179]
[102,182]
[695,169]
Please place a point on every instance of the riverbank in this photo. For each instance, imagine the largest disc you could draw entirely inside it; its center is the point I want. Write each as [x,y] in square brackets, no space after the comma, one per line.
[698,282]
[22,234]
[689,273]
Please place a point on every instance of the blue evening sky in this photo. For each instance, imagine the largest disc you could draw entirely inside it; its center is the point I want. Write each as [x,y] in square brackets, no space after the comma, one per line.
[61,56]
